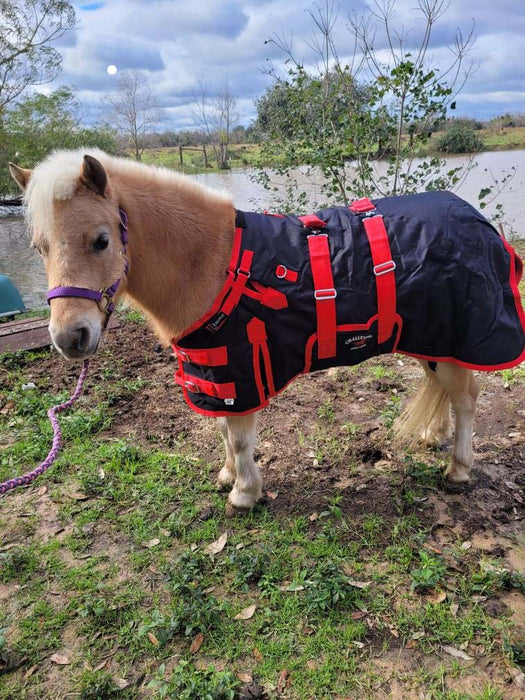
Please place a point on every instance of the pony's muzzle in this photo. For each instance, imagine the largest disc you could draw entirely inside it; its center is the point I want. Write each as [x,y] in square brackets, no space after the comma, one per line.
[76,342]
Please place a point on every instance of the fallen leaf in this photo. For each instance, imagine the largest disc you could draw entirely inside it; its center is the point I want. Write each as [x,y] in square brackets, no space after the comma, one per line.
[435,597]
[210,589]
[358,615]
[196,643]
[153,639]
[454,607]
[41,491]
[292,587]
[271,495]
[217,546]
[121,683]
[101,665]
[314,517]
[360,645]
[283,680]
[29,672]
[244,677]
[60,659]
[308,630]
[247,613]
[457,653]
[359,584]
[77,496]
[259,657]
[151,543]
[466,545]
[418,635]
[311,664]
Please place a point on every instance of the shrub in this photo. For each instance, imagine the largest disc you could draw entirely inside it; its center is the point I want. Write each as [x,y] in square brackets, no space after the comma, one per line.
[460,139]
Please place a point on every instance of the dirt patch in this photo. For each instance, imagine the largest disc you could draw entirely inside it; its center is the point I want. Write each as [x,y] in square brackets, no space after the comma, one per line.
[308,457]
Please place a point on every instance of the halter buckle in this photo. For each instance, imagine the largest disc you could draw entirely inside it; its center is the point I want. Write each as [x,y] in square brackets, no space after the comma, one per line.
[105,301]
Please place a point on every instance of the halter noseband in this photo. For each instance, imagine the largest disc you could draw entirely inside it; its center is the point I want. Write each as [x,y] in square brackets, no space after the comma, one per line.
[103,297]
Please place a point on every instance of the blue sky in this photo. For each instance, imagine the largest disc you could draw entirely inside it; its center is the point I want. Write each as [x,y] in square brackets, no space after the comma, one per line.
[179,43]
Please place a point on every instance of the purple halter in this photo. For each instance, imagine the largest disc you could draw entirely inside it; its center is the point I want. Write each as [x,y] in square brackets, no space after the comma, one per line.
[104,297]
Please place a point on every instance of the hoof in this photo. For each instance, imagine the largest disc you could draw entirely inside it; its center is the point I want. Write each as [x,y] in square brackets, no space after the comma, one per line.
[225,478]
[457,474]
[242,500]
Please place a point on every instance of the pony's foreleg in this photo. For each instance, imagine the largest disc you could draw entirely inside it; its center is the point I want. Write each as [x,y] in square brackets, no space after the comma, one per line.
[462,388]
[227,474]
[247,489]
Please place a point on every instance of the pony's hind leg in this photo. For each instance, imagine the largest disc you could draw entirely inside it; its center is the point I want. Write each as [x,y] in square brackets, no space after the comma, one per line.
[247,489]
[227,474]
[462,388]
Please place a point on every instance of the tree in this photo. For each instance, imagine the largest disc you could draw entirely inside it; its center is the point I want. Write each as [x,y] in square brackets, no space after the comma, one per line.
[40,123]
[136,109]
[27,27]
[378,103]
[216,116]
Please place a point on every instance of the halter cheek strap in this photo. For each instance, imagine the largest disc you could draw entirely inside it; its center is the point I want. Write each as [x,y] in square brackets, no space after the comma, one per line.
[103,297]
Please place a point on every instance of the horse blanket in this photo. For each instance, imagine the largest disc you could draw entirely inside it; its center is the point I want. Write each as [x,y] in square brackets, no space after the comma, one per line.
[426,275]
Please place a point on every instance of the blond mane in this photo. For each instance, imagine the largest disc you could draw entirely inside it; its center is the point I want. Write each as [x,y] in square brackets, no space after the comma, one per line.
[56,179]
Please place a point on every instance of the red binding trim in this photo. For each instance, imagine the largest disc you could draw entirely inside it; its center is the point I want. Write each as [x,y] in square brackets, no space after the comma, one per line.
[361,206]
[346,328]
[230,272]
[211,357]
[195,385]
[324,293]
[284,273]
[384,268]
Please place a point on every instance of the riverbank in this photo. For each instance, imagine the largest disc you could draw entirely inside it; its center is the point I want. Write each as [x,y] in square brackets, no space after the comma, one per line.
[249,155]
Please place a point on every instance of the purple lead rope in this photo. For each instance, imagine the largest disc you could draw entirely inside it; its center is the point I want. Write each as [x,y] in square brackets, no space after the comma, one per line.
[57,438]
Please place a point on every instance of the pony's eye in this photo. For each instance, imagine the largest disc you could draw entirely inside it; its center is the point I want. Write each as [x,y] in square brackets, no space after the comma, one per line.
[101,243]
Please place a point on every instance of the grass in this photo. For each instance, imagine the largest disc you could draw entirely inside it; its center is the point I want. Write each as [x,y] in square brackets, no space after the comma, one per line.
[122,583]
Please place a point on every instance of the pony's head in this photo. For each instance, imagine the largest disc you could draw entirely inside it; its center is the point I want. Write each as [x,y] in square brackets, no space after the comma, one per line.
[76,225]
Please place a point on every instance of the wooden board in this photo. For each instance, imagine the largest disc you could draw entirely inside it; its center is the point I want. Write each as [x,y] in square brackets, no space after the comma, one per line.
[29,334]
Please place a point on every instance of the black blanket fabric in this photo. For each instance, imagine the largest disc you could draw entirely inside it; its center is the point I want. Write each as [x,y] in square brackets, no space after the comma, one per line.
[456,285]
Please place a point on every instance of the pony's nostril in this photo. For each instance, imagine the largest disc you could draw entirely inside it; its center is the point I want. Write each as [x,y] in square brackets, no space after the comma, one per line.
[82,338]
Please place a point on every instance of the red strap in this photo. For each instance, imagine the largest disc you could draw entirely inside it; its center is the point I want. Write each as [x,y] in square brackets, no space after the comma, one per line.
[195,385]
[267,296]
[211,357]
[325,294]
[384,268]
[360,206]
[312,221]
[239,283]
[284,273]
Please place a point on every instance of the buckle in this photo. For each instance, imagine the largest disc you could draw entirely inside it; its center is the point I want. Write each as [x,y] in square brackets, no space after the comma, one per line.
[383,268]
[190,386]
[244,272]
[322,294]
[104,302]
[183,356]
[280,271]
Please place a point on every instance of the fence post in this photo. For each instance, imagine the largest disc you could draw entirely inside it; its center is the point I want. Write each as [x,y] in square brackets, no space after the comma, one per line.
[205,156]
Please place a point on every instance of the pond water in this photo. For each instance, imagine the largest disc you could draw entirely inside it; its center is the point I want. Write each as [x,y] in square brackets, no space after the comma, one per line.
[24,266]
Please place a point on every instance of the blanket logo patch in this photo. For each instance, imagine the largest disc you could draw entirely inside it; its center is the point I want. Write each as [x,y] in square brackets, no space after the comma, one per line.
[357,342]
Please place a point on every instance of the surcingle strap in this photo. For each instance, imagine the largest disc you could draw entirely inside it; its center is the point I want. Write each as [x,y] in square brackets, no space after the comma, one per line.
[384,268]
[324,293]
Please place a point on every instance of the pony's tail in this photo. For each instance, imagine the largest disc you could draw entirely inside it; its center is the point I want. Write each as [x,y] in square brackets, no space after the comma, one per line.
[426,419]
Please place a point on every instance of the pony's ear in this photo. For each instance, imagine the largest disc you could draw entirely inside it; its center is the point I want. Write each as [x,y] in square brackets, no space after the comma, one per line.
[93,175]
[20,175]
